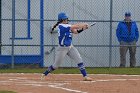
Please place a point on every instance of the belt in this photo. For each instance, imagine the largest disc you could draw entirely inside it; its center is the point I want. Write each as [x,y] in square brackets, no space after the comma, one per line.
[65,45]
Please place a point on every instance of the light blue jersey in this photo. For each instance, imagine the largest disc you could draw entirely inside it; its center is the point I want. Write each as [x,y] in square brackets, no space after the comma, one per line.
[65,35]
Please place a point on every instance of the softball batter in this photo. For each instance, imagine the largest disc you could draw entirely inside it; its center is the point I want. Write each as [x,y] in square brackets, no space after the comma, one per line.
[65,47]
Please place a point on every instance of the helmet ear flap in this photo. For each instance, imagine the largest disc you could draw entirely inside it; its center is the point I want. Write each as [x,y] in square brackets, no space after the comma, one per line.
[63,20]
[60,20]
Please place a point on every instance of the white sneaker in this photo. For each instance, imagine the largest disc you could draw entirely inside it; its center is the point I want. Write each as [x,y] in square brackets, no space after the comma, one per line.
[87,79]
[42,76]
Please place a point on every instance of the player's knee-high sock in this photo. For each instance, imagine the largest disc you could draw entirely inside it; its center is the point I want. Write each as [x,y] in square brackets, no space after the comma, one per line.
[50,69]
[82,69]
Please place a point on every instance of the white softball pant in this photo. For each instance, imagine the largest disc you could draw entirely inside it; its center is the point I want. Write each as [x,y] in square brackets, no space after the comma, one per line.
[61,52]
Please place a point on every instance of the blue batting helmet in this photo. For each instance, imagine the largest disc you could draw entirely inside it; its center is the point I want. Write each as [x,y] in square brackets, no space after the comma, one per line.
[62,16]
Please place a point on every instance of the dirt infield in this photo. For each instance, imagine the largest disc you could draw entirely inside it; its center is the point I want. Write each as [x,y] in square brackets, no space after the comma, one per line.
[62,83]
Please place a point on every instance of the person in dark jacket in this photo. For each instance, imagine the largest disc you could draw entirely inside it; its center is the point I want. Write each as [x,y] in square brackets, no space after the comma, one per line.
[127,34]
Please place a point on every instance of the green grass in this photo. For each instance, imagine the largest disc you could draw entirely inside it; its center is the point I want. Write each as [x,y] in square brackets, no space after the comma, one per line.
[129,71]
[7,92]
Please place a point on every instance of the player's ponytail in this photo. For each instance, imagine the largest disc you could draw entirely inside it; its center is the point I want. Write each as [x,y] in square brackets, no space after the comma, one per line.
[56,25]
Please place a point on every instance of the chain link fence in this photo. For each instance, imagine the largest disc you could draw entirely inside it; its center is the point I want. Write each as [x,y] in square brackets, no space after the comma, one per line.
[25,25]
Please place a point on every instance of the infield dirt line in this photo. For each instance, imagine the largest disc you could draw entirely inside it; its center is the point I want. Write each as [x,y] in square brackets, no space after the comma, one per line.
[67,89]
[52,85]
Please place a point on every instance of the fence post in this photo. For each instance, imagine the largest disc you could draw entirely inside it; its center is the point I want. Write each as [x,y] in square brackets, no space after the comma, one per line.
[29,17]
[110,39]
[42,32]
[13,32]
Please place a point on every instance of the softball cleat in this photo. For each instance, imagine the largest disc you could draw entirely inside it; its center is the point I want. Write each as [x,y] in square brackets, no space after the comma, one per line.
[42,76]
[87,79]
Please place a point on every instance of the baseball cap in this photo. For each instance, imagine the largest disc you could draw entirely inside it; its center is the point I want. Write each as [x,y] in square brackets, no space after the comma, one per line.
[127,14]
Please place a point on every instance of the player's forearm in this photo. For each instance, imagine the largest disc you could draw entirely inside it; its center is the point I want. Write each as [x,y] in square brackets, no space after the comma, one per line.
[79,26]
[74,31]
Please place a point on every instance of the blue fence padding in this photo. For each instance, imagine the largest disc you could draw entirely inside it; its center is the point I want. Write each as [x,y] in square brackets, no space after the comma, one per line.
[21,59]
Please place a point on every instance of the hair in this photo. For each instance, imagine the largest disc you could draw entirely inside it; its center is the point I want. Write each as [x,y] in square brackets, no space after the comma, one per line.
[56,25]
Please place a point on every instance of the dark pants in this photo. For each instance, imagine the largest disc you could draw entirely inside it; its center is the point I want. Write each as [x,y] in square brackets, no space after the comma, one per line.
[125,46]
